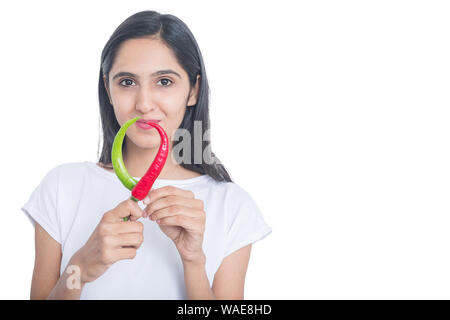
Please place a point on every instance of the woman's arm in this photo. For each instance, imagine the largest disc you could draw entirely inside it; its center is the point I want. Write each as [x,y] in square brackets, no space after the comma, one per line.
[62,292]
[47,261]
[68,286]
[46,282]
[228,281]
[230,278]
[105,246]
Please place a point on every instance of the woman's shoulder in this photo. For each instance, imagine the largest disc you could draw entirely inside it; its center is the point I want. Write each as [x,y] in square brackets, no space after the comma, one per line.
[232,193]
[242,217]
[66,172]
[71,167]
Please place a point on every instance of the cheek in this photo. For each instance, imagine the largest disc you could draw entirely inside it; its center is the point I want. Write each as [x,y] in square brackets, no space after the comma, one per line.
[174,109]
[122,100]
[172,104]
[173,100]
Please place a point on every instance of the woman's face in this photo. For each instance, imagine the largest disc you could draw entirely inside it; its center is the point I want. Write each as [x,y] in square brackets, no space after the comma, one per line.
[147,81]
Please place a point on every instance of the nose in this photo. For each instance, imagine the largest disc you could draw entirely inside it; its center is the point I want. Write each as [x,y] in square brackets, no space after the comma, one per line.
[144,101]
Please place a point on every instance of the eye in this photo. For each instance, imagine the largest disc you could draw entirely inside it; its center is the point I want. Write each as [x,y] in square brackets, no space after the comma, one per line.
[128,82]
[165,82]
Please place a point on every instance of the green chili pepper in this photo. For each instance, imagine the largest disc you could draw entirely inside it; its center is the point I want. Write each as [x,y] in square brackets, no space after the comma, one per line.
[139,190]
[116,157]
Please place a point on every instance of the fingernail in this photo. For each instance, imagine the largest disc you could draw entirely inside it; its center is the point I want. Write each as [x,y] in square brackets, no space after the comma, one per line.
[146,200]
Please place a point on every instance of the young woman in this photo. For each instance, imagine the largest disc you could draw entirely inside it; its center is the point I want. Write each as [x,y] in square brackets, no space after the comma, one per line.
[196,226]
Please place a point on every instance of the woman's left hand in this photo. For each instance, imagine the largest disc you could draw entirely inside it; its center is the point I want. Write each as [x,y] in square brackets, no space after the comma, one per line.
[181,217]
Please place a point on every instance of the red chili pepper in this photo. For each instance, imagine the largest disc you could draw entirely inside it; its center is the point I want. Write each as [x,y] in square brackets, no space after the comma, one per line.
[142,188]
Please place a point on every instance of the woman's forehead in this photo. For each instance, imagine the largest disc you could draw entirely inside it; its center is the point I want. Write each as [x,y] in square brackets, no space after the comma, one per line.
[144,56]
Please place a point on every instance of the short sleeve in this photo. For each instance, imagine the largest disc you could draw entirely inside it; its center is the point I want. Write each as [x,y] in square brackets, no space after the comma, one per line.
[246,224]
[42,206]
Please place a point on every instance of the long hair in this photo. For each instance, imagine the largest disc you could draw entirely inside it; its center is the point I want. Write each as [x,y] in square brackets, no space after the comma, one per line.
[179,38]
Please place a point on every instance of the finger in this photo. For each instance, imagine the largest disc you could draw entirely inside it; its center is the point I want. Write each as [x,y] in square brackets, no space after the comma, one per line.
[129,227]
[128,240]
[124,209]
[124,253]
[155,194]
[191,224]
[172,200]
[175,210]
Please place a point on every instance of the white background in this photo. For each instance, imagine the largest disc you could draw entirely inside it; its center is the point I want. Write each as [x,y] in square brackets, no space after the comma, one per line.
[333,115]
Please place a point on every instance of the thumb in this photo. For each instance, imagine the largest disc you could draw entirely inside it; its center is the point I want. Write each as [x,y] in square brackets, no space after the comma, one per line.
[128,208]
[146,200]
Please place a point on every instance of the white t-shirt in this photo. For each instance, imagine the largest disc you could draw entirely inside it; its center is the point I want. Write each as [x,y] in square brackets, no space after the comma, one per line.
[72,198]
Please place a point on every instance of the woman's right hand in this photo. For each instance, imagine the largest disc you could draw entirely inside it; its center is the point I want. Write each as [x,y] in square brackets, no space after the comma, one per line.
[112,240]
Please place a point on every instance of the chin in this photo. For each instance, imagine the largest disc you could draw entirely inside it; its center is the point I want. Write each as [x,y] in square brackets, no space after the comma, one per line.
[149,143]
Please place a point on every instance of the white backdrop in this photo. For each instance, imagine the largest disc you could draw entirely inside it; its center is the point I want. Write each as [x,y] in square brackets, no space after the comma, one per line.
[333,115]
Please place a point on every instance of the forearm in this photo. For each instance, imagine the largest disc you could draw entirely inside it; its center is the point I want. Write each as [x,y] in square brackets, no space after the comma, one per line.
[196,281]
[69,285]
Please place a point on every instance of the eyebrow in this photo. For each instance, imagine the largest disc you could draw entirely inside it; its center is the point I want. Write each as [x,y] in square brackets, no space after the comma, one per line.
[157,73]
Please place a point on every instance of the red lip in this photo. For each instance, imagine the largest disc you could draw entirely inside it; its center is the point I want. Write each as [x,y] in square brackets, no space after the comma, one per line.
[148,120]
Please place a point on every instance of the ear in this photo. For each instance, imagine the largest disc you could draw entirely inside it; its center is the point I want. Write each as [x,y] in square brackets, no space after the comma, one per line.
[106,87]
[194,93]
